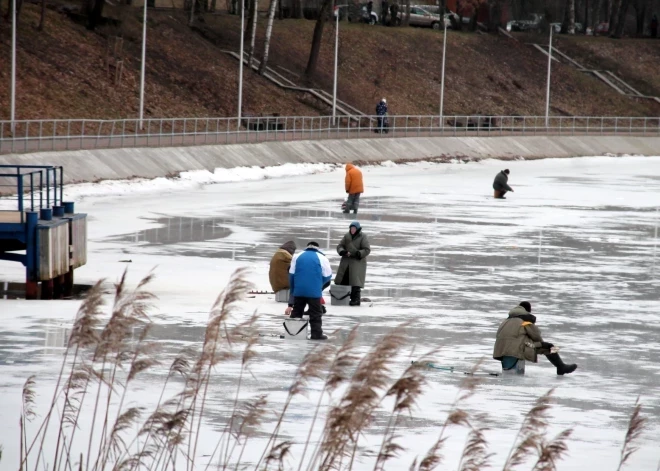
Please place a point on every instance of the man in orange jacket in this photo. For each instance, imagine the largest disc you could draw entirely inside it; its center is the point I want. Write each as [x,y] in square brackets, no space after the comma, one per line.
[354,187]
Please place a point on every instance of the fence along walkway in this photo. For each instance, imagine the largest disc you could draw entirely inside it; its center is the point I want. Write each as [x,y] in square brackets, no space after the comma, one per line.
[57,135]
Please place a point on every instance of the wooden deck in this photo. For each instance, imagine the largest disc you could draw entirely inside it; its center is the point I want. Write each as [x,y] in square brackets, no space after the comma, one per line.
[11,217]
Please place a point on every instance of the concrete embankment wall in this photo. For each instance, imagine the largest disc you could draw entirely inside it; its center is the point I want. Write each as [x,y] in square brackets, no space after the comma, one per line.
[108,164]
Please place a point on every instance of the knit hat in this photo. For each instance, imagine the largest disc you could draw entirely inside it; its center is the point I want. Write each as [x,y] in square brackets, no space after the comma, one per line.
[507,171]
[526,305]
[313,244]
[289,246]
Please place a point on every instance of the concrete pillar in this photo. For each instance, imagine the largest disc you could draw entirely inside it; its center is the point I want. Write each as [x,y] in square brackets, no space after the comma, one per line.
[47,288]
[68,284]
[31,289]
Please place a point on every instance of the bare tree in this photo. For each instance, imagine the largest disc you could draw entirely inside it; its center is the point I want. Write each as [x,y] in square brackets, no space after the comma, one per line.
[19,4]
[406,18]
[613,15]
[317,38]
[621,19]
[297,9]
[42,19]
[595,18]
[95,13]
[269,31]
[254,13]
[640,15]
[568,25]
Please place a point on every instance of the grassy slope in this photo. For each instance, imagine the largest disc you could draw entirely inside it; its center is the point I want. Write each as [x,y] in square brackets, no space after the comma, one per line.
[61,71]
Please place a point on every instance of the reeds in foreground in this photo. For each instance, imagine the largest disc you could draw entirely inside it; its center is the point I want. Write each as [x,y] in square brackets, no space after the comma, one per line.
[108,352]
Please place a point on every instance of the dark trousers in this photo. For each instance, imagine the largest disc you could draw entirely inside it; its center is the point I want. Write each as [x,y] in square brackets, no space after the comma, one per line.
[315,313]
[500,193]
[352,203]
[356,291]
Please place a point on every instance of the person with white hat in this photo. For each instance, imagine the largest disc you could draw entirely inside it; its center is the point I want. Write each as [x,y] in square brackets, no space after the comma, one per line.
[381,112]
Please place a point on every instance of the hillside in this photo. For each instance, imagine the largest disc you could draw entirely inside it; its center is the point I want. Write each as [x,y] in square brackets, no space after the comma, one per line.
[61,71]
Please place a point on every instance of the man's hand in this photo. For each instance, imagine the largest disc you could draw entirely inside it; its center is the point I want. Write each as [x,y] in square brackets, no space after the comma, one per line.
[343,253]
[288,311]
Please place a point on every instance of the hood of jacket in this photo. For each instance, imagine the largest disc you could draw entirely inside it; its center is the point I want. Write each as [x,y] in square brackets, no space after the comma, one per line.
[289,246]
[521,313]
[349,167]
[358,229]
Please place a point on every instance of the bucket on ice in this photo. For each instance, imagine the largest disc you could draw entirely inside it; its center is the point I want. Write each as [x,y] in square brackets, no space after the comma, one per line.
[282,296]
[296,329]
[340,295]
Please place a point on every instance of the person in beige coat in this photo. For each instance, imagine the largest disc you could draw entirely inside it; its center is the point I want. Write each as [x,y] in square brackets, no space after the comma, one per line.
[518,338]
[279,266]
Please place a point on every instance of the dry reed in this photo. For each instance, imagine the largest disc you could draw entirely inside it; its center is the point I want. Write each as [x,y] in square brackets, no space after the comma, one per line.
[102,360]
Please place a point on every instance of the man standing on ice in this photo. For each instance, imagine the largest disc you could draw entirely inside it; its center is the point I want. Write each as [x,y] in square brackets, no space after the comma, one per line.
[309,274]
[518,338]
[354,187]
[501,184]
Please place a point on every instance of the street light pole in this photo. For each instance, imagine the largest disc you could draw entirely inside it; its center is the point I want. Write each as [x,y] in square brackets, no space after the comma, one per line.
[334,85]
[13,67]
[547,92]
[142,66]
[240,66]
[442,79]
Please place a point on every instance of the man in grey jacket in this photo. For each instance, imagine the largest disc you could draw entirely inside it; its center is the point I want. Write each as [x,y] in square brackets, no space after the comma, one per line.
[501,184]
[518,338]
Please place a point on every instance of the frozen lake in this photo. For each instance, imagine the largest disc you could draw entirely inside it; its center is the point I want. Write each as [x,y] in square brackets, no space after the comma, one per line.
[578,239]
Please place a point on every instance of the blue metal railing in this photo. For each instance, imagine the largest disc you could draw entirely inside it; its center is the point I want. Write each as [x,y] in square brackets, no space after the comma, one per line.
[34,187]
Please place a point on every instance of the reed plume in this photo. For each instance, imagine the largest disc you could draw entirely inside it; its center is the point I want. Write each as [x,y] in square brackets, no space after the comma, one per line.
[636,426]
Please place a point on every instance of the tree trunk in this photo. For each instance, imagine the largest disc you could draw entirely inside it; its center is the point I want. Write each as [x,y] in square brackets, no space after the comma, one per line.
[595,20]
[297,9]
[269,31]
[406,18]
[254,13]
[96,15]
[316,39]
[614,7]
[621,19]
[640,17]
[585,23]
[214,4]
[42,18]
[568,26]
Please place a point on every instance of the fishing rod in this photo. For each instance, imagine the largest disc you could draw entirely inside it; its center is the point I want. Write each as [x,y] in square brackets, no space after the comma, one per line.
[453,369]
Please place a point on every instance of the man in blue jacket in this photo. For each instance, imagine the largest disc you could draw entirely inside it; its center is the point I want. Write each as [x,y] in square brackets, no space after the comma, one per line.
[309,274]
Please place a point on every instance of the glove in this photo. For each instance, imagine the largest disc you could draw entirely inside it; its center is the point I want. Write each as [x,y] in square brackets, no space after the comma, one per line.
[546,345]
[358,256]
[343,253]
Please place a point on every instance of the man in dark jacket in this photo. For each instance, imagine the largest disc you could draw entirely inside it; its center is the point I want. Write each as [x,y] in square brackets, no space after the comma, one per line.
[381,112]
[518,338]
[501,184]
[383,11]
[309,274]
[354,249]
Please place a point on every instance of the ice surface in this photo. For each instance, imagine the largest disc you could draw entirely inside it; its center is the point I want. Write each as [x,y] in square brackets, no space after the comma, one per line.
[577,238]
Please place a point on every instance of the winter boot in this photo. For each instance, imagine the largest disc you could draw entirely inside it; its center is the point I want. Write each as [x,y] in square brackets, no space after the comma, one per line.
[319,337]
[562,368]
[355,296]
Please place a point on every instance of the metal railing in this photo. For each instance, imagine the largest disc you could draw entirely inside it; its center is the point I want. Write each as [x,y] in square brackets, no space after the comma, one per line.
[32,187]
[62,134]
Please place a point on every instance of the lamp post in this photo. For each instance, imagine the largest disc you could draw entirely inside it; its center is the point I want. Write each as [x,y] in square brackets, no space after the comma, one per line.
[442,79]
[240,66]
[13,68]
[547,92]
[334,85]
[142,66]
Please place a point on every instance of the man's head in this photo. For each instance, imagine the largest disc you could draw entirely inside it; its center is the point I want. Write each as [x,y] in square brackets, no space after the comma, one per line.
[354,228]
[507,171]
[526,305]
[383,100]
[313,244]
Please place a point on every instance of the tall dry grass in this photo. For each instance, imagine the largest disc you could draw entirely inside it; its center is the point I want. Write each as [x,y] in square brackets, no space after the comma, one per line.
[108,351]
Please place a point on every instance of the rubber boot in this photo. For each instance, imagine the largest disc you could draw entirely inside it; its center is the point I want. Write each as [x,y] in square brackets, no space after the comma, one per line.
[562,368]
[355,296]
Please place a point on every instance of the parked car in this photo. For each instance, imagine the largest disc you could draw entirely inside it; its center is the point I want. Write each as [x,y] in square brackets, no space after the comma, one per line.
[421,17]
[532,23]
[557,27]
